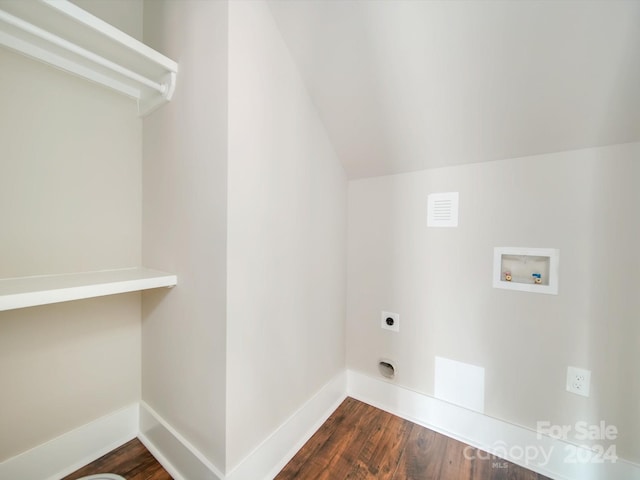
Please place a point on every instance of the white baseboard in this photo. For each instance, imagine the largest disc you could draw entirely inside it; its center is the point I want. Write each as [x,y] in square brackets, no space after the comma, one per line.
[184,462]
[70,451]
[276,450]
[175,453]
[489,434]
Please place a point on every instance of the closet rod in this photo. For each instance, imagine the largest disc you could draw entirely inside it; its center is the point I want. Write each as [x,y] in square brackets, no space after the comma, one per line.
[75,49]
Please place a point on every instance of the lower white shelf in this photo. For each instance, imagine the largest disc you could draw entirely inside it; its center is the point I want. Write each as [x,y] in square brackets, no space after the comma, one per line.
[24,292]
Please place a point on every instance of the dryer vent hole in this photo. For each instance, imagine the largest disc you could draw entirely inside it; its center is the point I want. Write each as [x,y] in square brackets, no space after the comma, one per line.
[386,369]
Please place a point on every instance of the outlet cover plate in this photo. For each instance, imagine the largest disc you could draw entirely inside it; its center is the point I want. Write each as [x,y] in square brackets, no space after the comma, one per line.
[395,321]
[578,381]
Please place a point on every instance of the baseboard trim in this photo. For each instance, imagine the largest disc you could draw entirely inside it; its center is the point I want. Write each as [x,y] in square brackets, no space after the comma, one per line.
[276,450]
[175,453]
[68,452]
[184,462]
[487,433]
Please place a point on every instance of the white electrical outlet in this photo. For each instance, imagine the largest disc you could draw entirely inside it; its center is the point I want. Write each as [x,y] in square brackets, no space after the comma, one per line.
[578,381]
[390,321]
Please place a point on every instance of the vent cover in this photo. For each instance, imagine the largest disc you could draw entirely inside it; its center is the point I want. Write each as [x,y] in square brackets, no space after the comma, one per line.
[443,210]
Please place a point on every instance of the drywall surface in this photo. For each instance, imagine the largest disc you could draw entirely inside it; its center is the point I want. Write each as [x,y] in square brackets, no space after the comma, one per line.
[123,14]
[440,281]
[184,225]
[286,237]
[65,365]
[70,201]
[70,184]
[406,85]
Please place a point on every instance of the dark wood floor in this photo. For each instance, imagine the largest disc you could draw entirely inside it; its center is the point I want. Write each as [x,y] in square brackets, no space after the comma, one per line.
[362,442]
[132,460]
[359,442]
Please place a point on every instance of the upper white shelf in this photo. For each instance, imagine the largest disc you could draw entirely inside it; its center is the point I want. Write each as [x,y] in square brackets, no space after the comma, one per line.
[42,290]
[62,34]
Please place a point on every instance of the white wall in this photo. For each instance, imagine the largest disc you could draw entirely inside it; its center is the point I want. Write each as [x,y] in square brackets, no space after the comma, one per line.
[184,226]
[70,200]
[286,237]
[124,14]
[439,280]
[244,198]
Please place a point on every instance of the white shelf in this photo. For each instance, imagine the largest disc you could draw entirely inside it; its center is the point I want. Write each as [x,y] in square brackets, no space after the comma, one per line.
[23,292]
[62,34]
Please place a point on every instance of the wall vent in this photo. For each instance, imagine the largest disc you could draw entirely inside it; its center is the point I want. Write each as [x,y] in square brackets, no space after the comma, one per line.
[443,210]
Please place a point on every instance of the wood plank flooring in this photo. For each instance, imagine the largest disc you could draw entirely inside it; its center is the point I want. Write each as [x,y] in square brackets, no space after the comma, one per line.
[131,460]
[357,442]
[361,442]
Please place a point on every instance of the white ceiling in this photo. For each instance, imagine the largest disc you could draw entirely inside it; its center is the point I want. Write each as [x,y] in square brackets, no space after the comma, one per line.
[406,85]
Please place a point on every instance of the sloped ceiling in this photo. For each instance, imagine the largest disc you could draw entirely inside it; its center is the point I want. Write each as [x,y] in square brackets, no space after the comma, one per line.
[406,85]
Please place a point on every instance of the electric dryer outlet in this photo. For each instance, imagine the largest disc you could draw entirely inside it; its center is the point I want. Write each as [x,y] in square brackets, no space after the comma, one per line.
[390,321]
